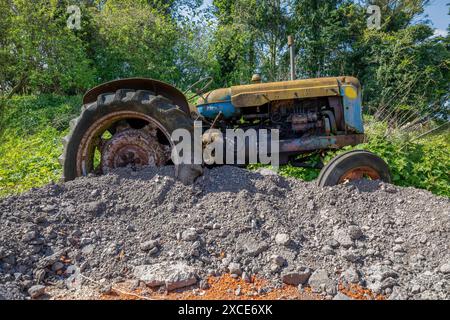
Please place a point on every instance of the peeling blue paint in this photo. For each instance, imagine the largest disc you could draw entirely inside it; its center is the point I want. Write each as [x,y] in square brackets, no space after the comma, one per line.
[352,111]
[211,110]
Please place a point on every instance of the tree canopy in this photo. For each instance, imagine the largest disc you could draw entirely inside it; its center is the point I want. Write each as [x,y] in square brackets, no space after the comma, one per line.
[401,65]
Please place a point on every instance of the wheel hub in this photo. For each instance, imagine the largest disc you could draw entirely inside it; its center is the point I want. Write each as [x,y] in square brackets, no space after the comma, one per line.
[360,173]
[132,147]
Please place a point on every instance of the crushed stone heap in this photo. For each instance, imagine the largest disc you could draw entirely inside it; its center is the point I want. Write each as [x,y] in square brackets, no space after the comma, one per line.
[146,225]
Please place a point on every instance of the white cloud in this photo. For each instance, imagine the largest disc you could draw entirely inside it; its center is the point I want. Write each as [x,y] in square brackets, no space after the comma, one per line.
[440,33]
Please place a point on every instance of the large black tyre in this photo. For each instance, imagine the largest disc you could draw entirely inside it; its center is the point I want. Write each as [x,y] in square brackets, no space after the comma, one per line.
[354,165]
[142,104]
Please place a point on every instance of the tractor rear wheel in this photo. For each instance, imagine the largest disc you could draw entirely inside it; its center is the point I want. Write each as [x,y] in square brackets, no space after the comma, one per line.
[354,165]
[125,128]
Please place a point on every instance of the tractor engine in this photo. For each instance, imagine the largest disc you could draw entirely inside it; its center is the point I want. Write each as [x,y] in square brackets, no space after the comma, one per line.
[295,116]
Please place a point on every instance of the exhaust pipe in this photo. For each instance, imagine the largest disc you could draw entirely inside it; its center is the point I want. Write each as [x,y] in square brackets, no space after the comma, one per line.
[291,50]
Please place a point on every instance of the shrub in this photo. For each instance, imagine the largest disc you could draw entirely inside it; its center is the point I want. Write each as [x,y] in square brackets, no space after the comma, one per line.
[30,140]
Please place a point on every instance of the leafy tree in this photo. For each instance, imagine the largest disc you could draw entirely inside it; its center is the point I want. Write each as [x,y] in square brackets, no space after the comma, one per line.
[133,39]
[250,36]
[326,32]
[405,71]
[40,53]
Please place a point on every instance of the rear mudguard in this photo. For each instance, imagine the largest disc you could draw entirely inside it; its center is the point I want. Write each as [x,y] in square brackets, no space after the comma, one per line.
[157,87]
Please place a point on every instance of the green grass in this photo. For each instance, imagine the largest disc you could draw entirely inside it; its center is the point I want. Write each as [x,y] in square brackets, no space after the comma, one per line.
[30,140]
[31,128]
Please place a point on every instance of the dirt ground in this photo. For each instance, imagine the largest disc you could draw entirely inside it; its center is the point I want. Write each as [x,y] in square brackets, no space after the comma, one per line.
[220,288]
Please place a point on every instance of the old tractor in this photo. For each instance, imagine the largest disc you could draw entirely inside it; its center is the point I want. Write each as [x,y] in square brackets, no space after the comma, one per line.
[130,122]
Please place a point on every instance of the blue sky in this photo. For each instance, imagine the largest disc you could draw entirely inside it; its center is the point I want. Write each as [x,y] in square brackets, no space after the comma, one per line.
[437,12]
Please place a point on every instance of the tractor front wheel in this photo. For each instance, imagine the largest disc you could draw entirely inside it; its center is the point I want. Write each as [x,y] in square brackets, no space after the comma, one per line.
[354,165]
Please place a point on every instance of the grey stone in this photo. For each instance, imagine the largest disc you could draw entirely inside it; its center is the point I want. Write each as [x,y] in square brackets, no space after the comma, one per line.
[57,266]
[204,285]
[381,277]
[343,238]
[274,268]
[254,248]
[380,272]
[148,245]
[355,232]
[40,275]
[84,266]
[36,291]
[310,205]
[278,260]
[398,294]
[350,255]
[49,208]
[445,268]
[327,250]
[50,260]
[112,249]
[388,283]
[76,233]
[106,289]
[71,269]
[173,275]
[415,289]
[85,241]
[282,239]
[94,207]
[267,172]
[74,281]
[189,235]
[341,296]
[399,240]
[30,235]
[351,275]
[398,248]
[295,278]
[235,268]
[246,277]
[319,282]
[333,243]
[89,249]
[426,295]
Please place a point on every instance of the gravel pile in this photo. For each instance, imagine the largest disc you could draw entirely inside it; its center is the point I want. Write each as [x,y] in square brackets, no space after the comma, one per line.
[145,225]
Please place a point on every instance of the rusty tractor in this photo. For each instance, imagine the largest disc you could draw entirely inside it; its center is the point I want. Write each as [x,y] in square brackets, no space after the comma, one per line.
[130,122]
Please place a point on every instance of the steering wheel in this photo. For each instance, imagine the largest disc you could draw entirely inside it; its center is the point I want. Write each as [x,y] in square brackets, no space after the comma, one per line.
[199,91]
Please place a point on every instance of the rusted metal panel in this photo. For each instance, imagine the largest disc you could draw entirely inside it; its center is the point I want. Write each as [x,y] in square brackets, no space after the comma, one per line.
[335,103]
[260,98]
[259,94]
[319,142]
[158,87]
[218,95]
